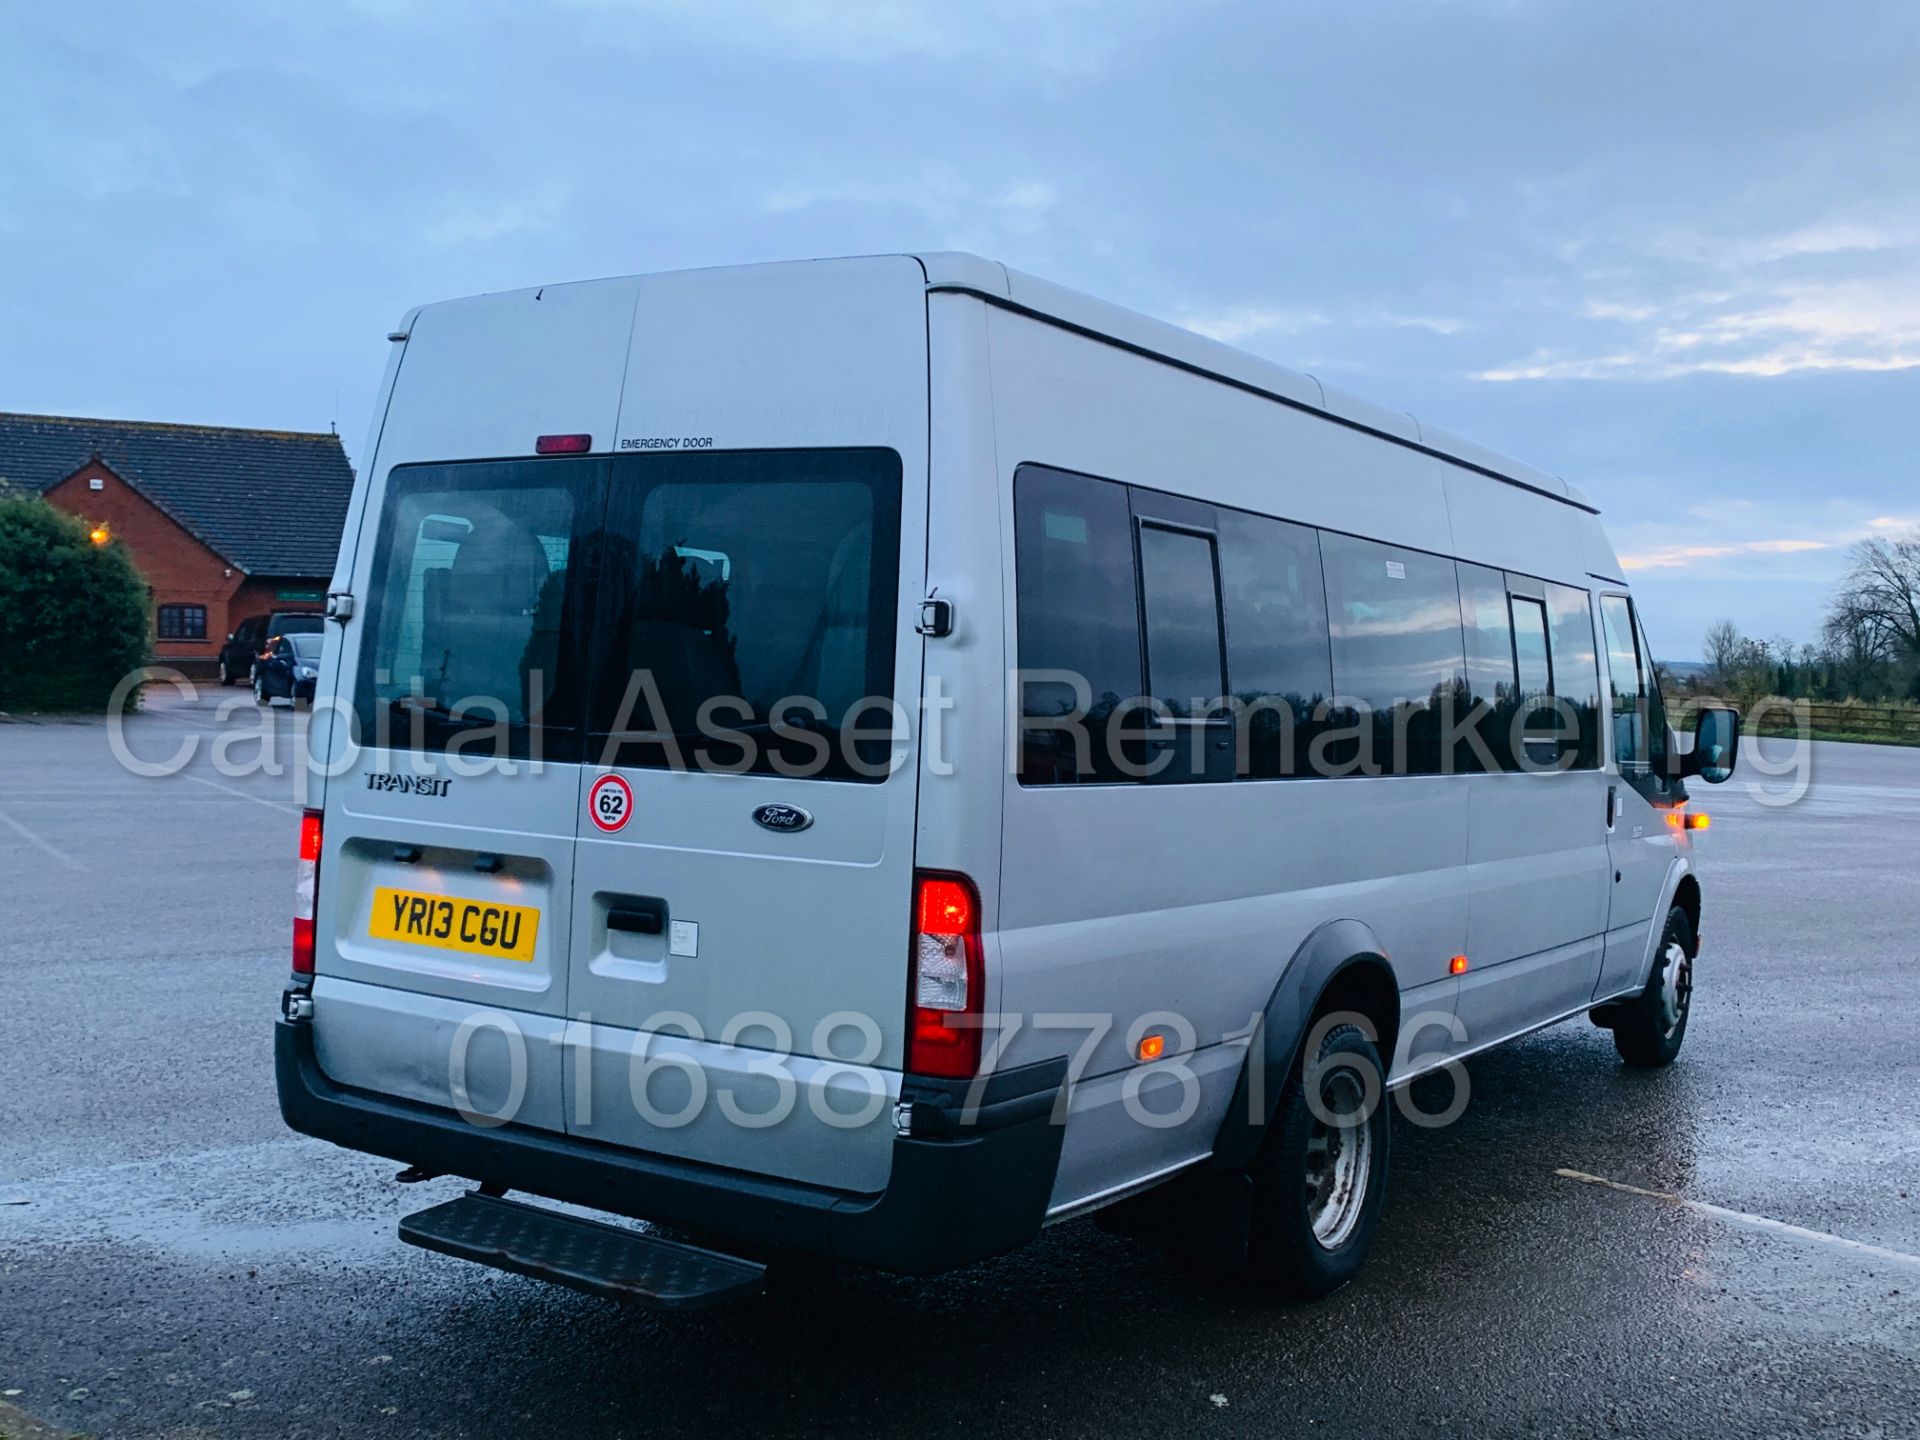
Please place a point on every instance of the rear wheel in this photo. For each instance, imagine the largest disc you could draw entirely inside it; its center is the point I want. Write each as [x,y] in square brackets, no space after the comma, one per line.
[1321,1176]
[1649,1029]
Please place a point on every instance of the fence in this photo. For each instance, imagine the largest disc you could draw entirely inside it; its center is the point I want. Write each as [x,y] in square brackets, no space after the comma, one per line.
[1844,719]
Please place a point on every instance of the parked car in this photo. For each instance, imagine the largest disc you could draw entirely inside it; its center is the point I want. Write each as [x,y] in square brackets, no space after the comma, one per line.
[1066,935]
[252,635]
[288,669]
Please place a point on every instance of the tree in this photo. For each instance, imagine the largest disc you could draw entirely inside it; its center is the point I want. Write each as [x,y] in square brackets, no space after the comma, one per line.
[73,614]
[1723,649]
[1877,607]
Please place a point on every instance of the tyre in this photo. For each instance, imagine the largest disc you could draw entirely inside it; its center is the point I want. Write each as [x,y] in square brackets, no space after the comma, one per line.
[1649,1029]
[226,675]
[260,690]
[1320,1178]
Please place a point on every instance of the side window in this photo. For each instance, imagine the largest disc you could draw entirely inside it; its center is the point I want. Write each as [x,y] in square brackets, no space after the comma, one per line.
[1534,691]
[1398,654]
[1078,624]
[1656,703]
[1180,599]
[1630,749]
[1491,679]
[1278,665]
[1576,675]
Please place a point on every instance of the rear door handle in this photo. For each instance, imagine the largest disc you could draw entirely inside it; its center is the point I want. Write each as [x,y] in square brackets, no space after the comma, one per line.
[645,918]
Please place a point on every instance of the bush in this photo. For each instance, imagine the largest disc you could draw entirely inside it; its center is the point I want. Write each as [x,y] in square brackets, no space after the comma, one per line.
[73,615]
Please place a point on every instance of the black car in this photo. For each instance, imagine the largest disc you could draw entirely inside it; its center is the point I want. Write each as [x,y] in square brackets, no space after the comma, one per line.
[252,636]
[288,669]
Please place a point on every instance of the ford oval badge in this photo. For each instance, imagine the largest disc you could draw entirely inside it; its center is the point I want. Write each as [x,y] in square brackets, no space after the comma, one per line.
[787,819]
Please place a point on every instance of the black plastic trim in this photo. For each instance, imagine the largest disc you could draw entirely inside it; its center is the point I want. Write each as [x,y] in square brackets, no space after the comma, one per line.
[948,1201]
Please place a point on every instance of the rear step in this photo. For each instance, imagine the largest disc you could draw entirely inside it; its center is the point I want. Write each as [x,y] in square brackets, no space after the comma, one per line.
[599,1259]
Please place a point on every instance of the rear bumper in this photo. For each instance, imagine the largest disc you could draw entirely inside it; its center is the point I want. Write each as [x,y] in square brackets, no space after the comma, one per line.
[956,1193]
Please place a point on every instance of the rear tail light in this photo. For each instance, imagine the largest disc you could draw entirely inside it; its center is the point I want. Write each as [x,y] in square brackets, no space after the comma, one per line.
[306,886]
[949,978]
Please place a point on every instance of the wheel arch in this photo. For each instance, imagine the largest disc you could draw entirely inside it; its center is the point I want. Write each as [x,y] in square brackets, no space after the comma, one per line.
[1341,966]
[1686,894]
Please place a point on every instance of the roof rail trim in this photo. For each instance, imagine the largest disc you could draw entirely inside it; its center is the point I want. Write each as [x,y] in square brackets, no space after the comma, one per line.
[1003,302]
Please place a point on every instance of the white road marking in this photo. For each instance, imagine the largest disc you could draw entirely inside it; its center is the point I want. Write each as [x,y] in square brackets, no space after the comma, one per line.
[1751,1222]
[33,839]
[231,790]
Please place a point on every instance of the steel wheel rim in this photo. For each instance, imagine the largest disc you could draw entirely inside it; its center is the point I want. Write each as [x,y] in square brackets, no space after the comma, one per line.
[1676,988]
[1339,1160]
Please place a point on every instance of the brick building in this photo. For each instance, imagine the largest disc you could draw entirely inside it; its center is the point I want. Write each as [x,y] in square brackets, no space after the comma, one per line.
[223,523]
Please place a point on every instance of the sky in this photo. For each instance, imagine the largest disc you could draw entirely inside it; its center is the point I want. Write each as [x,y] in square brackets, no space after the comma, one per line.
[1670,251]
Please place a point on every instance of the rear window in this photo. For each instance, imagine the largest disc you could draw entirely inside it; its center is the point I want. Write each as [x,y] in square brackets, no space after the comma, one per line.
[473,602]
[748,613]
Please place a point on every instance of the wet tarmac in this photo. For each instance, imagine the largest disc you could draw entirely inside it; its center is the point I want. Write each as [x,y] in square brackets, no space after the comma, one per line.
[173,1262]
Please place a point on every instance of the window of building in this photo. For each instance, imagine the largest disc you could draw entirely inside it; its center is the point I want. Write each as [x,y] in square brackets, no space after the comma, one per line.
[1399,657]
[181,622]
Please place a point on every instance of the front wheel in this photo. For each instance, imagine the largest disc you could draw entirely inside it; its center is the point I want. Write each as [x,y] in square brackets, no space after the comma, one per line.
[1649,1029]
[1320,1179]
[226,672]
[259,690]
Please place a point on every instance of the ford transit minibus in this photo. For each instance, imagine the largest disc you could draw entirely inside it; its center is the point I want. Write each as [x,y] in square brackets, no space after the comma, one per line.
[869,758]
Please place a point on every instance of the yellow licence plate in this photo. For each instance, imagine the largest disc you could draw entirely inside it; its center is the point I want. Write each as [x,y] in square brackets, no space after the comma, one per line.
[473,927]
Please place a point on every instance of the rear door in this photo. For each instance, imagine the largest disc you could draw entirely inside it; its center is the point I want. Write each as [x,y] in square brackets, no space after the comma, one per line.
[446,874]
[743,876]
[745,860]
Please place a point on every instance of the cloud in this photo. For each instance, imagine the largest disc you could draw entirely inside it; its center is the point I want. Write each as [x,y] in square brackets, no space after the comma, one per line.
[1235,323]
[1242,322]
[1677,556]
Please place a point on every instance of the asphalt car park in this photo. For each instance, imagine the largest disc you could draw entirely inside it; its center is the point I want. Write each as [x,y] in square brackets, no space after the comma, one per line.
[1731,1246]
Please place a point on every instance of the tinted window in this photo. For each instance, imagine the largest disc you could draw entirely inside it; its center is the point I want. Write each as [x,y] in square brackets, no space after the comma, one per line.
[1398,653]
[305,647]
[1656,703]
[1181,603]
[1623,664]
[1576,675]
[1278,665]
[1490,667]
[470,598]
[1079,627]
[747,613]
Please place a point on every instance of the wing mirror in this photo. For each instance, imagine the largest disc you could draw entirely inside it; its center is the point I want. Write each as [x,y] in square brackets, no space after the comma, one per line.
[1716,745]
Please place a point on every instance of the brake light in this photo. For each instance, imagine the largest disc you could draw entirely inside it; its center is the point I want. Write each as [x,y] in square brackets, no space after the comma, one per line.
[949,978]
[306,886]
[562,444]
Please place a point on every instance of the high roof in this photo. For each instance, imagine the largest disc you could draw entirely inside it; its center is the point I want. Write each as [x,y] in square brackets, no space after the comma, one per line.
[270,502]
[954,270]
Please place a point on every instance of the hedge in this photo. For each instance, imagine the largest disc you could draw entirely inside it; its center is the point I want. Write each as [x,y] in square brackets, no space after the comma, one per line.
[73,614]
